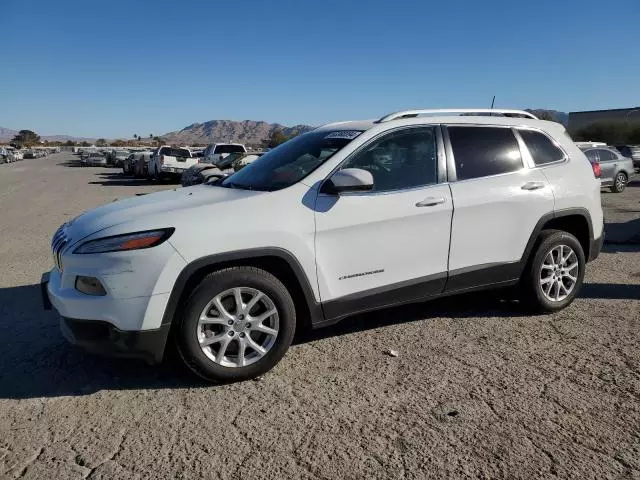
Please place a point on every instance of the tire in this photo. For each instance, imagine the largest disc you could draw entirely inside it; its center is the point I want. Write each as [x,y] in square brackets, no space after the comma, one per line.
[189,331]
[619,183]
[535,272]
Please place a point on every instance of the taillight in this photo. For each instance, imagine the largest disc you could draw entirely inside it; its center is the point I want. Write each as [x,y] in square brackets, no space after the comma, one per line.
[596,169]
[161,159]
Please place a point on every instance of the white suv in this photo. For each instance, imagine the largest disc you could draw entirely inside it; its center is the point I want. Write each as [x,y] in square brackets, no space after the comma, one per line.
[350,217]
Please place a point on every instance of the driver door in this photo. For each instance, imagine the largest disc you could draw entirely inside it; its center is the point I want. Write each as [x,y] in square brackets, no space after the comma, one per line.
[391,244]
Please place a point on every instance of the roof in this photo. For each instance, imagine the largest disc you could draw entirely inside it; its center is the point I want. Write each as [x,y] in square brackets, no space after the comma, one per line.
[447,119]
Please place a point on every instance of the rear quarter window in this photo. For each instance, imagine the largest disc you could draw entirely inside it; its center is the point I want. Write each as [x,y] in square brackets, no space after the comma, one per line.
[484,151]
[541,148]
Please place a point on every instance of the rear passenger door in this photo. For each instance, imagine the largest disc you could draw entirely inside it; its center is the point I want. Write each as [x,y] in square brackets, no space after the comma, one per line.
[498,200]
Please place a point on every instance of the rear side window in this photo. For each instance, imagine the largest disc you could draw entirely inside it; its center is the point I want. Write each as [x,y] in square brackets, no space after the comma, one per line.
[540,147]
[484,151]
[591,155]
[606,155]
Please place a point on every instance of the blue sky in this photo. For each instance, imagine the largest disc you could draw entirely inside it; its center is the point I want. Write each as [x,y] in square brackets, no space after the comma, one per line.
[115,68]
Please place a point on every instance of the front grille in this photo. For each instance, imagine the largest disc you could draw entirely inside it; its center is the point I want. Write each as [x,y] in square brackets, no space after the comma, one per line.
[58,245]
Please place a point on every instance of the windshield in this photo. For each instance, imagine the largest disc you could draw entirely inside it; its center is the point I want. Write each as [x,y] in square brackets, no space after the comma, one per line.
[290,162]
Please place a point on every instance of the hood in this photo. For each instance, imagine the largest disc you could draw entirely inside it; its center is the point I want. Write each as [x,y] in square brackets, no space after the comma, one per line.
[198,167]
[142,208]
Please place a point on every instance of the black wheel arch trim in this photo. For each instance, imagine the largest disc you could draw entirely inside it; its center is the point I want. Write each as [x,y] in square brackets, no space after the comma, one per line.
[566,212]
[254,253]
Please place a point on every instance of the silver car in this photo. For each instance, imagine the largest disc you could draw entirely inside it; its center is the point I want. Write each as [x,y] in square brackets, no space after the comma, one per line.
[615,169]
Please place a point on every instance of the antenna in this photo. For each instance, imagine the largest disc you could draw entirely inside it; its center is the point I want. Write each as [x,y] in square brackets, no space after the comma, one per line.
[493,101]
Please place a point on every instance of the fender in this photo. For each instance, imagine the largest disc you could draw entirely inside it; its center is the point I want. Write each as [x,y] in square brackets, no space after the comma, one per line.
[253,253]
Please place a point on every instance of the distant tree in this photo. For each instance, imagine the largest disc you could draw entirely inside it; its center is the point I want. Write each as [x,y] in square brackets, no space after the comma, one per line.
[159,140]
[69,143]
[545,116]
[101,142]
[276,138]
[26,138]
[85,144]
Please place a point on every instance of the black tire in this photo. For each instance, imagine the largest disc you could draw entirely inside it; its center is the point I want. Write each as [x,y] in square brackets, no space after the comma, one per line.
[532,292]
[619,183]
[186,338]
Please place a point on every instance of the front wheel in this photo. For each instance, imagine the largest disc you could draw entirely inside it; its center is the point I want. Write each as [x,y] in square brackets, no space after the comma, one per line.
[237,324]
[555,273]
[619,183]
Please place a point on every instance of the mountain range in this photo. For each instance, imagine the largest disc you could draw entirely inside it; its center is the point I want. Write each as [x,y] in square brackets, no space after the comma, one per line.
[249,132]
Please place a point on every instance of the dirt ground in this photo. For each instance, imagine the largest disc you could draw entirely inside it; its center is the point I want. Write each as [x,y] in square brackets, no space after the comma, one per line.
[478,390]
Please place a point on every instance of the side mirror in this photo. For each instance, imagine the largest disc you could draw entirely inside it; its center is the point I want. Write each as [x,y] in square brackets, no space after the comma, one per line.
[348,180]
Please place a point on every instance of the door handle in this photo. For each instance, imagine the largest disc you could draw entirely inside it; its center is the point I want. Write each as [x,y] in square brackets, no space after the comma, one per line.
[533,186]
[431,201]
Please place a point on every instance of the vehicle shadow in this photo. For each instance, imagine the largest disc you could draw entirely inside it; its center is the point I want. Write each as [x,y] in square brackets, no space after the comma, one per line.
[117,179]
[71,163]
[38,362]
[624,233]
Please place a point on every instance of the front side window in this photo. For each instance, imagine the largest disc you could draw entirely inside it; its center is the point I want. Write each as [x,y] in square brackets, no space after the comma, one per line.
[484,151]
[542,149]
[291,161]
[400,160]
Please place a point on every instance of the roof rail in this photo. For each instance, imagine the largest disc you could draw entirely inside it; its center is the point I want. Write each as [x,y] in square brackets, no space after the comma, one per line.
[439,111]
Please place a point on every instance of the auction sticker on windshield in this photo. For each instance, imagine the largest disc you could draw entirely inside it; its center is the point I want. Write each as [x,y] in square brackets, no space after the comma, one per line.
[346,134]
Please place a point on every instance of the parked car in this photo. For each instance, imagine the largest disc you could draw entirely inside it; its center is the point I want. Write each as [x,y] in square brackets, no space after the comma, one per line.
[347,218]
[4,155]
[632,152]
[17,154]
[205,171]
[194,174]
[217,151]
[169,162]
[616,169]
[141,164]
[29,154]
[96,159]
[127,165]
[228,166]
[118,157]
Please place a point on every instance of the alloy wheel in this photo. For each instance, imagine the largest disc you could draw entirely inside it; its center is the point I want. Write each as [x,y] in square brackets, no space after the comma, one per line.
[559,273]
[620,182]
[238,327]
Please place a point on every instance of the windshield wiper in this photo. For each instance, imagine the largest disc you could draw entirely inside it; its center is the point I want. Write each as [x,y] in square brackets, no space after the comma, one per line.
[239,186]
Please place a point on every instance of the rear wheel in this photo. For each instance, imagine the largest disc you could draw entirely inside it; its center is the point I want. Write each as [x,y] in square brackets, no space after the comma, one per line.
[555,273]
[619,183]
[237,324]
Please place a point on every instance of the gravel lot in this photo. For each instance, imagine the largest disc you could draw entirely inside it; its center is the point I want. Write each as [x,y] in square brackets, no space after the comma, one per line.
[479,389]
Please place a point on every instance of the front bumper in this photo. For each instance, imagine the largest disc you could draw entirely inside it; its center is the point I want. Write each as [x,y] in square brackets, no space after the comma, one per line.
[102,338]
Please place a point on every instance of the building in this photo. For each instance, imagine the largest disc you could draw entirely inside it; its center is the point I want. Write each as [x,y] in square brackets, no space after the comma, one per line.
[579,120]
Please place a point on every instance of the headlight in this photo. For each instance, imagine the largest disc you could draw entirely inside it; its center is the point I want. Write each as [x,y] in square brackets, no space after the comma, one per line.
[129,241]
